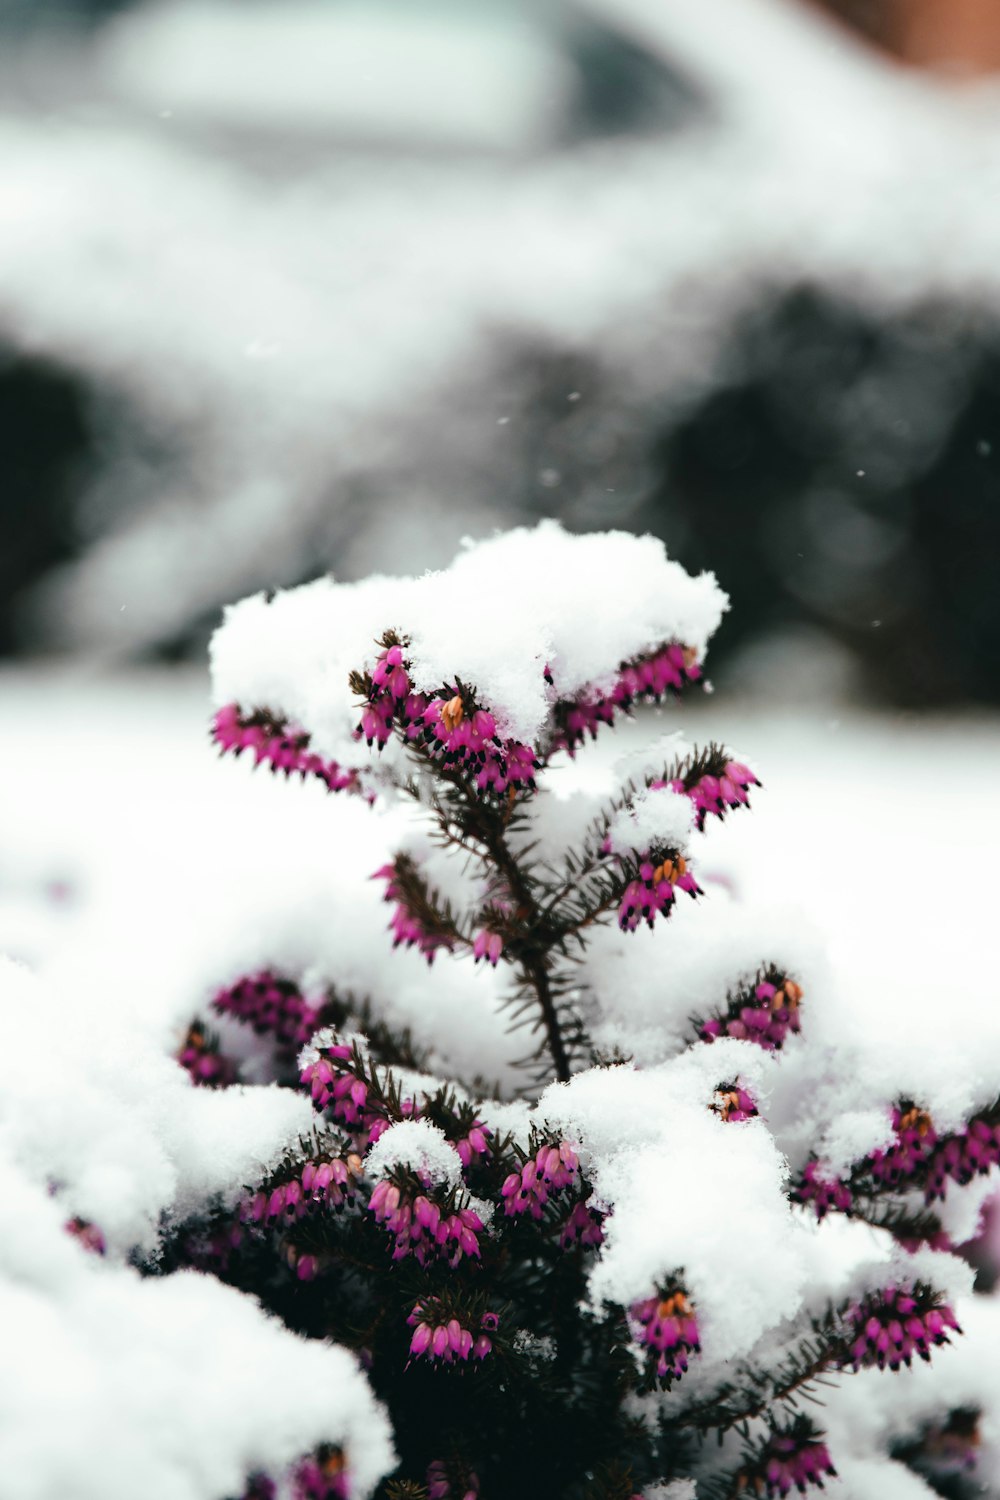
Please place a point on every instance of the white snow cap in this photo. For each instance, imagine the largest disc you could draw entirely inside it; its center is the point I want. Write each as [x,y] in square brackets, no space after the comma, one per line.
[419,1145]
[658,818]
[504,611]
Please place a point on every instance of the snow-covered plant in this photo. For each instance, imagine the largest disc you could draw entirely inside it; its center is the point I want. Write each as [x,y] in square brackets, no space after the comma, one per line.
[597,1188]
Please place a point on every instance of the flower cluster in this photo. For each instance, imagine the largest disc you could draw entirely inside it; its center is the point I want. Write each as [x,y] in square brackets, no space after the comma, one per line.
[668,1331]
[406,926]
[917,1157]
[474,1145]
[440,1335]
[650,677]
[212,1247]
[888,1327]
[422,1227]
[327,1182]
[654,890]
[765,1012]
[321,1477]
[442,1486]
[734,1103]
[968,1153]
[909,1153]
[271,739]
[260,1487]
[271,1006]
[88,1235]
[201,1056]
[714,783]
[334,1087]
[452,728]
[304,1263]
[585,1226]
[550,1170]
[334,1075]
[946,1448]
[824,1193]
[793,1457]
[488,944]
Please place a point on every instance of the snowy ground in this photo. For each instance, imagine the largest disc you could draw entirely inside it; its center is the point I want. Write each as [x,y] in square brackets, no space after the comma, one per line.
[118,819]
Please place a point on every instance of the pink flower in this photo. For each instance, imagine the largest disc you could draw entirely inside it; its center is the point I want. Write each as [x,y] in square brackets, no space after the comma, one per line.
[458,734]
[442,1487]
[336,1087]
[792,1457]
[665,670]
[728,787]
[453,729]
[323,1477]
[87,1234]
[323,1183]
[388,696]
[765,1013]
[488,945]
[822,1192]
[438,1335]
[968,1153]
[423,1227]
[910,1152]
[406,927]
[578,720]
[376,724]
[888,1327]
[918,1157]
[734,1103]
[549,1171]
[474,1145]
[654,892]
[271,1006]
[201,1057]
[583,1227]
[270,738]
[668,1330]
[390,673]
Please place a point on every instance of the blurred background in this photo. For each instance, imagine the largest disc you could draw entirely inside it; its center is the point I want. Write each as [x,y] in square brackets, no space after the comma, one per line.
[289,285]
[297,285]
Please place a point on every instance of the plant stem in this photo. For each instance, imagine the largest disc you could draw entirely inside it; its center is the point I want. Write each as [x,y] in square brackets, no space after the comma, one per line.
[486,825]
[534,957]
[707,1421]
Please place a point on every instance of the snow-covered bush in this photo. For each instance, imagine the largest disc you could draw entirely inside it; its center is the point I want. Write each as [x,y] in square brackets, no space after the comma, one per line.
[581,1167]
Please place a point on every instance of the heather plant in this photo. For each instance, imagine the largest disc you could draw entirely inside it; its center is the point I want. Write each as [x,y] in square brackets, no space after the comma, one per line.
[586,1174]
